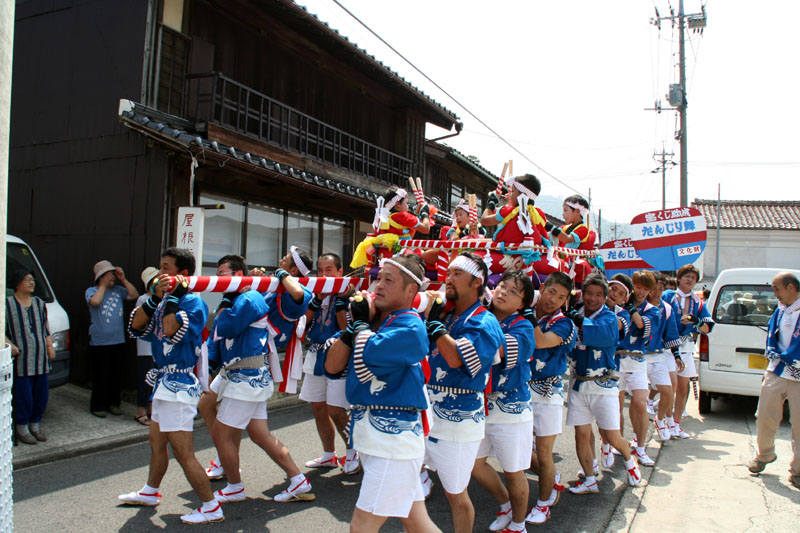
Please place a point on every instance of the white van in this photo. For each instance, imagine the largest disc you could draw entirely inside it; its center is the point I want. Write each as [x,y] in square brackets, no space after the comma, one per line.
[732,360]
[20,255]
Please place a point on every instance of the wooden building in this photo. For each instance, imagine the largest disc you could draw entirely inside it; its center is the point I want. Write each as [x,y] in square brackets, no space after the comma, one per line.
[124,111]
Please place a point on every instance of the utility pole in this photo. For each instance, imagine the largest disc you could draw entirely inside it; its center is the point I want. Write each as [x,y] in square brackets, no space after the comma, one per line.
[677,91]
[663,169]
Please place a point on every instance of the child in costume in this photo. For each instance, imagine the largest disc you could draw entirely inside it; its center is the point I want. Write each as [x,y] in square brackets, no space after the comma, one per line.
[576,234]
[517,222]
[393,221]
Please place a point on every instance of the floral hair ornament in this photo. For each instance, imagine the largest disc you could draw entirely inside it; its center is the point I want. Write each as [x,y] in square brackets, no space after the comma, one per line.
[298,261]
[467,265]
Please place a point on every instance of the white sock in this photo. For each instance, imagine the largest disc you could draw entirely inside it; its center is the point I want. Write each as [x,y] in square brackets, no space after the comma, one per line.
[234,487]
[327,456]
[297,479]
[670,421]
[35,426]
[350,454]
[217,461]
[594,464]
[209,506]
[589,480]
[605,447]
[541,503]
[147,489]
[505,507]
[516,526]
[630,463]
[640,450]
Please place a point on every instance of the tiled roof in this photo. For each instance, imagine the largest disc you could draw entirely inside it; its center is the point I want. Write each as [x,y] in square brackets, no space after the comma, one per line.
[751,214]
[333,33]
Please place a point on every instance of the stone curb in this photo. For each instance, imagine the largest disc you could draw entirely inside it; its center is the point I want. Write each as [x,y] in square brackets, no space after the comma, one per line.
[124,439]
[628,506]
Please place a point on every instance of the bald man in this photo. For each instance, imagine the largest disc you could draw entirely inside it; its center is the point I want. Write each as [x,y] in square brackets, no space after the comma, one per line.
[782,377]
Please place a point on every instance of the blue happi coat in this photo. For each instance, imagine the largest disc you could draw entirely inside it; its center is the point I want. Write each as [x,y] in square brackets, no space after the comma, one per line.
[456,394]
[549,364]
[176,356]
[240,332]
[783,363]
[510,399]
[593,355]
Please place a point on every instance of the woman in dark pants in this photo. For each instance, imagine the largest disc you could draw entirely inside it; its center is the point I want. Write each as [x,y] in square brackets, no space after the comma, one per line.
[29,336]
[107,335]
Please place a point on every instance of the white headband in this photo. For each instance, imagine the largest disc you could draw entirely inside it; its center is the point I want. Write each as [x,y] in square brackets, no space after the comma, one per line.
[463,205]
[524,190]
[617,282]
[574,205]
[422,283]
[298,261]
[467,265]
[399,195]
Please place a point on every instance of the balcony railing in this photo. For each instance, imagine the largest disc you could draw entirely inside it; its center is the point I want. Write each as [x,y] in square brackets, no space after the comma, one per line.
[219,100]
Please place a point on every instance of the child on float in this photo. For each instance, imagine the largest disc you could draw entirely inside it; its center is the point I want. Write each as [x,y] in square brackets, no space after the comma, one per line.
[519,220]
[575,233]
[393,222]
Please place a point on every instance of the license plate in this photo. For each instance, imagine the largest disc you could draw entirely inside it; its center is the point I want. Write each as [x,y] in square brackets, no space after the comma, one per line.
[757,361]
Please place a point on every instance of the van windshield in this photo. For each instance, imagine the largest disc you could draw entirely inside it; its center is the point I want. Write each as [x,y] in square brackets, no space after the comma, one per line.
[750,305]
[18,257]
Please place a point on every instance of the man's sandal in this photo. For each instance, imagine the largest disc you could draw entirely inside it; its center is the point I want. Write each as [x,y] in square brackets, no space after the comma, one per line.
[143,419]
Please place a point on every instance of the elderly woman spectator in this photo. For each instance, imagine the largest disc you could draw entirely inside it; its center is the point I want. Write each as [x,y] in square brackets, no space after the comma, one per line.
[107,335]
[29,336]
[144,359]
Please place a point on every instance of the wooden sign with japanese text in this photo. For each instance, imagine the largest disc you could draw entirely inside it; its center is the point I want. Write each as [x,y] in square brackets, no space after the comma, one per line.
[190,233]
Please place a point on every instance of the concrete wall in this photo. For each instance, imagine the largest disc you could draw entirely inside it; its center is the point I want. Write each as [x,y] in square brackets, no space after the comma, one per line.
[741,248]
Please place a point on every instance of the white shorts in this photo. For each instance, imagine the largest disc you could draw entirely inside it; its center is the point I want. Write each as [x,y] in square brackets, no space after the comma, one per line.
[322,389]
[547,419]
[510,443]
[173,416]
[658,374]
[389,486]
[453,461]
[239,413]
[631,381]
[669,362]
[689,370]
[583,409]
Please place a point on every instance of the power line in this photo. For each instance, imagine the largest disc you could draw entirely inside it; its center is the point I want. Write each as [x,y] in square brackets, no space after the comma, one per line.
[470,113]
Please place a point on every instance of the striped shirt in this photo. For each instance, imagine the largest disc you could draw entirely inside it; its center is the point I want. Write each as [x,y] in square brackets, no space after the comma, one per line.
[28,330]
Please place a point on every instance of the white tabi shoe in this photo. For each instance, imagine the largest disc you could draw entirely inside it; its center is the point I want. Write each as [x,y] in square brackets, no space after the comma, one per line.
[225,496]
[501,521]
[333,462]
[538,514]
[663,430]
[215,471]
[140,498]
[198,516]
[297,493]
[642,458]
[352,465]
[582,488]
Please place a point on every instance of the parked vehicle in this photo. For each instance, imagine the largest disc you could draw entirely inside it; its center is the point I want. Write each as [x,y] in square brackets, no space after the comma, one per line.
[732,361]
[20,255]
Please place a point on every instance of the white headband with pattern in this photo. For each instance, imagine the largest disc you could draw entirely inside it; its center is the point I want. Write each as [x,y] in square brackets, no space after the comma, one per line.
[617,282]
[574,205]
[422,283]
[467,265]
[382,208]
[398,195]
[524,190]
[298,261]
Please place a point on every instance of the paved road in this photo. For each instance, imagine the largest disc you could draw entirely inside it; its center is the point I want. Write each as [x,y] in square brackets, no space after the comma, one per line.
[80,494]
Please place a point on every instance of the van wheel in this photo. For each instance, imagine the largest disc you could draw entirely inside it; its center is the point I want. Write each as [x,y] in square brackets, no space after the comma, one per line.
[704,403]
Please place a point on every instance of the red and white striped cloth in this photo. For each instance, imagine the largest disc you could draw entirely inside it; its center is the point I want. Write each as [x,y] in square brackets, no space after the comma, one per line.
[268,284]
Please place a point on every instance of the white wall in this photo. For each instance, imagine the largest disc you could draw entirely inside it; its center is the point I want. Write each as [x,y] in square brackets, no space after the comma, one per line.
[741,248]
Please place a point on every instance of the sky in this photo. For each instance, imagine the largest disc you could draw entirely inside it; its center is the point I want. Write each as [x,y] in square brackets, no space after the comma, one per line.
[567,84]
